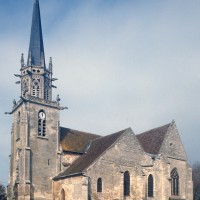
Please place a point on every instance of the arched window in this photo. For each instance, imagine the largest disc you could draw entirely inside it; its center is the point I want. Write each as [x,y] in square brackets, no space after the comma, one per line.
[62,194]
[33,91]
[126,184]
[36,88]
[99,185]
[174,182]
[150,186]
[38,91]
[42,123]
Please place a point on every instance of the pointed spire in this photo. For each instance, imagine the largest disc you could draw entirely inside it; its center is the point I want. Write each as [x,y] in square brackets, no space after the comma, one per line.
[36,47]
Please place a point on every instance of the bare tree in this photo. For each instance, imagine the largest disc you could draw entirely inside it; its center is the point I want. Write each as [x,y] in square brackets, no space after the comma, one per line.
[196,180]
[2,192]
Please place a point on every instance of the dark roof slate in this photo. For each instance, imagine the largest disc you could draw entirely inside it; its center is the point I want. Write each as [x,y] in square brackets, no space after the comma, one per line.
[152,140]
[97,147]
[75,141]
[36,47]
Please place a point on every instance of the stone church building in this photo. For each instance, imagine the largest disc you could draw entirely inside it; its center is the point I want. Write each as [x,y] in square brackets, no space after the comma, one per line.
[48,161]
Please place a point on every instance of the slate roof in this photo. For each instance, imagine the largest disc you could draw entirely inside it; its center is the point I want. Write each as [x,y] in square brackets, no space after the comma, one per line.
[152,140]
[75,141]
[97,147]
[93,146]
[36,47]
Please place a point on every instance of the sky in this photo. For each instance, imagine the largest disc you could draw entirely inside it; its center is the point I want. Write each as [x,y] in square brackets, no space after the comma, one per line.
[119,64]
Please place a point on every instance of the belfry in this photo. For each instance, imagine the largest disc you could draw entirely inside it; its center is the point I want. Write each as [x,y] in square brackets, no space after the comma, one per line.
[48,161]
[35,154]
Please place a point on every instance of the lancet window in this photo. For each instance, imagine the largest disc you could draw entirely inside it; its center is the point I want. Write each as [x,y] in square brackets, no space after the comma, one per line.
[62,195]
[99,185]
[126,183]
[150,185]
[42,123]
[174,182]
[36,88]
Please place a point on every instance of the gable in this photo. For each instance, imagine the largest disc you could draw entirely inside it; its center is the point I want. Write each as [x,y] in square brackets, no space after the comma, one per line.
[127,151]
[172,145]
[152,140]
[95,149]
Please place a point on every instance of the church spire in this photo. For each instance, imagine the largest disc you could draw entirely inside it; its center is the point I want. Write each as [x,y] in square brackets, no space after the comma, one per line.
[36,48]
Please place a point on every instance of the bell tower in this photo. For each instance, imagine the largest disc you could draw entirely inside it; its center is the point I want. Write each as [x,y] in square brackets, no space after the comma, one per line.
[35,149]
[36,78]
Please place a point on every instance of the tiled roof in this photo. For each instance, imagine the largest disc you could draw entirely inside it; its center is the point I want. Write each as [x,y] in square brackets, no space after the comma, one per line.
[75,141]
[152,140]
[97,147]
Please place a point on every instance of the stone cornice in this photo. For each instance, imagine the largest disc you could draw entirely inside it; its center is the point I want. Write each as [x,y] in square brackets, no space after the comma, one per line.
[32,99]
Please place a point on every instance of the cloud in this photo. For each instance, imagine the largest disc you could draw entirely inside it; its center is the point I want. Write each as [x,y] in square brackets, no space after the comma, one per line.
[119,64]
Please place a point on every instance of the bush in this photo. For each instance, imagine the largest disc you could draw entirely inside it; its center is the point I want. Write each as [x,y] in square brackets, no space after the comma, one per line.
[2,192]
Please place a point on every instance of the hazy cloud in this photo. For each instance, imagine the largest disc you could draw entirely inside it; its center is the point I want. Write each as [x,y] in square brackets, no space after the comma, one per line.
[120,64]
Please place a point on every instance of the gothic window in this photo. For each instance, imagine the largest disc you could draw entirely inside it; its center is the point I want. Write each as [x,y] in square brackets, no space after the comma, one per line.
[38,91]
[18,125]
[42,123]
[174,182]
[126,183]
[33,91]
[62,194]
[36,88]
[150,186]
[99,185]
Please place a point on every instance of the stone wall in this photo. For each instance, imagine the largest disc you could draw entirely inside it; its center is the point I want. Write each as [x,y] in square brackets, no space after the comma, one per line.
[75,188]
[125,155]
[34,159]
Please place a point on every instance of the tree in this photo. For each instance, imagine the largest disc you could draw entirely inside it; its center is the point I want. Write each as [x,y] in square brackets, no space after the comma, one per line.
[196,180]
[2,192]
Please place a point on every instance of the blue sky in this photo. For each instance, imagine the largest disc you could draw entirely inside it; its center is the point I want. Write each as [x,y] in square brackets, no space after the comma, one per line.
[120,64]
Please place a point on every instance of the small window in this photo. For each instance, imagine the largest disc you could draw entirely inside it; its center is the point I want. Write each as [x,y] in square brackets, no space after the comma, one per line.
[99,185]
[38,91]
[35,88]
[62,194]
[174,182]
[150,186]
[126,184]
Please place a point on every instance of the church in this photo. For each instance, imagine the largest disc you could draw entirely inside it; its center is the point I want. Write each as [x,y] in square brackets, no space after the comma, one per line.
[48,161]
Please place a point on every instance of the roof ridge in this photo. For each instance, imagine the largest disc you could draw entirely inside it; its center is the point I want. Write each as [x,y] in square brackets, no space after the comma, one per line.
[118,132]
[154,129]
[79,131]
